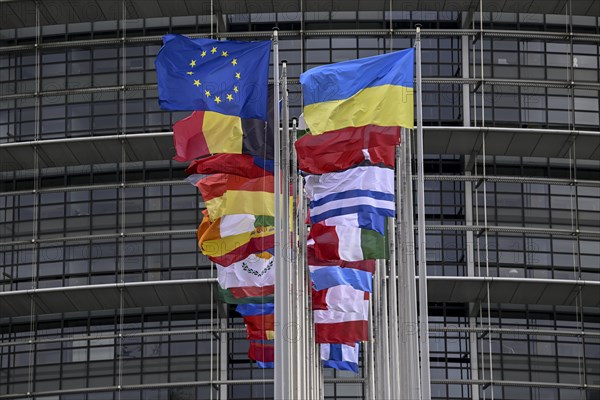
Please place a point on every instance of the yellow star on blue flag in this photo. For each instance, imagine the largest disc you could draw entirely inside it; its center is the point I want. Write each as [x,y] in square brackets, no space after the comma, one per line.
[198,74]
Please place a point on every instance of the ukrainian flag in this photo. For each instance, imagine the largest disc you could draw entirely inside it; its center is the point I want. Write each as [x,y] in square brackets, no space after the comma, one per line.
[369,91]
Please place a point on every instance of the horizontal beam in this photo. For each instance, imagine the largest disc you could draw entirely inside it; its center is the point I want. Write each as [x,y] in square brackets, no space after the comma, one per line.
[514,229]
[171,332]
[429,80]
[193,232]
[111,296]
[509,179]
[254,381]
[448,289]
[503,290]
[484,382]
[128,334]
[480,382]
[543,35]
[76,188]
[515,331]
[433,177]
[500,141]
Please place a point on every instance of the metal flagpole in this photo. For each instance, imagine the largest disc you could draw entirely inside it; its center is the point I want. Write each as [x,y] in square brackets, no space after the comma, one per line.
[407,283]
[423,310]
[297,274]
[280,289]
[287,330]
[393,306]
[377,350]
[369,358]
[382,296]
[402,268]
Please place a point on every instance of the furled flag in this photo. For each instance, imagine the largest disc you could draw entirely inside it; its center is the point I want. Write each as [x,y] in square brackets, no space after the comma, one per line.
[259,320]
[227,77]
[375,90]
[236,164]
[206,132]
[241,296]
[348,243]
[362,195]
[333,326]
[262,352]
[340,298]
[331,273]
[255,270]
[231,232]
[340,356]
[227,194]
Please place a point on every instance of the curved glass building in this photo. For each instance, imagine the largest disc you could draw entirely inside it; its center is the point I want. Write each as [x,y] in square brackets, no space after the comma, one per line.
[103,293]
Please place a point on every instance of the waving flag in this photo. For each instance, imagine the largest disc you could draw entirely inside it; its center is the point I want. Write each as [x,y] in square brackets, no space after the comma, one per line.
[255,270]
[336,151]
[227,194]
[332,326]
[360,192]
[369,91]
[340,356]
[346,139]
[348,243]
[262,352]
[339,298]
[206,132]
[324,277]
[227,77]
[259,320]
[247,310]
[261,240]
[331,273]
[236,164]
[241,296]
[366,265]
[321,163]
[231,232]
[251,291]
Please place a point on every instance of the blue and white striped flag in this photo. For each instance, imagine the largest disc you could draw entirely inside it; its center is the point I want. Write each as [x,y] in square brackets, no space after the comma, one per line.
[361,197]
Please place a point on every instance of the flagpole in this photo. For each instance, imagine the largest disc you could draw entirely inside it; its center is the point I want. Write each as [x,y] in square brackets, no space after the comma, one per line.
[369,357]
[280,382]
[289,339]
[423,305]
[406,279]
[298,277]
[393,303]
[378,354]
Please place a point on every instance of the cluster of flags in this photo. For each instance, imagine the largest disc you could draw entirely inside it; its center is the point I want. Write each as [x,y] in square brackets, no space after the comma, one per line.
[228,140]
[353,115]
[354,112]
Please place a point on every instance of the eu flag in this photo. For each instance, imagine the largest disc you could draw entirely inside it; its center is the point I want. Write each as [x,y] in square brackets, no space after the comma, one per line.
[228,77]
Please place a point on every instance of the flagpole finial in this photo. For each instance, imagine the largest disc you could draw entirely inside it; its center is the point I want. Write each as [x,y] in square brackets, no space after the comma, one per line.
[418,26]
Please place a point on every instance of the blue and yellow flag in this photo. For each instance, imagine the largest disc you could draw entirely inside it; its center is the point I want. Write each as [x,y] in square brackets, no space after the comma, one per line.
[228,77]
[372,91]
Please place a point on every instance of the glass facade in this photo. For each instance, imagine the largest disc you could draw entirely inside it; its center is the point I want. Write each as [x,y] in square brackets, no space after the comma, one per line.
[513,215]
